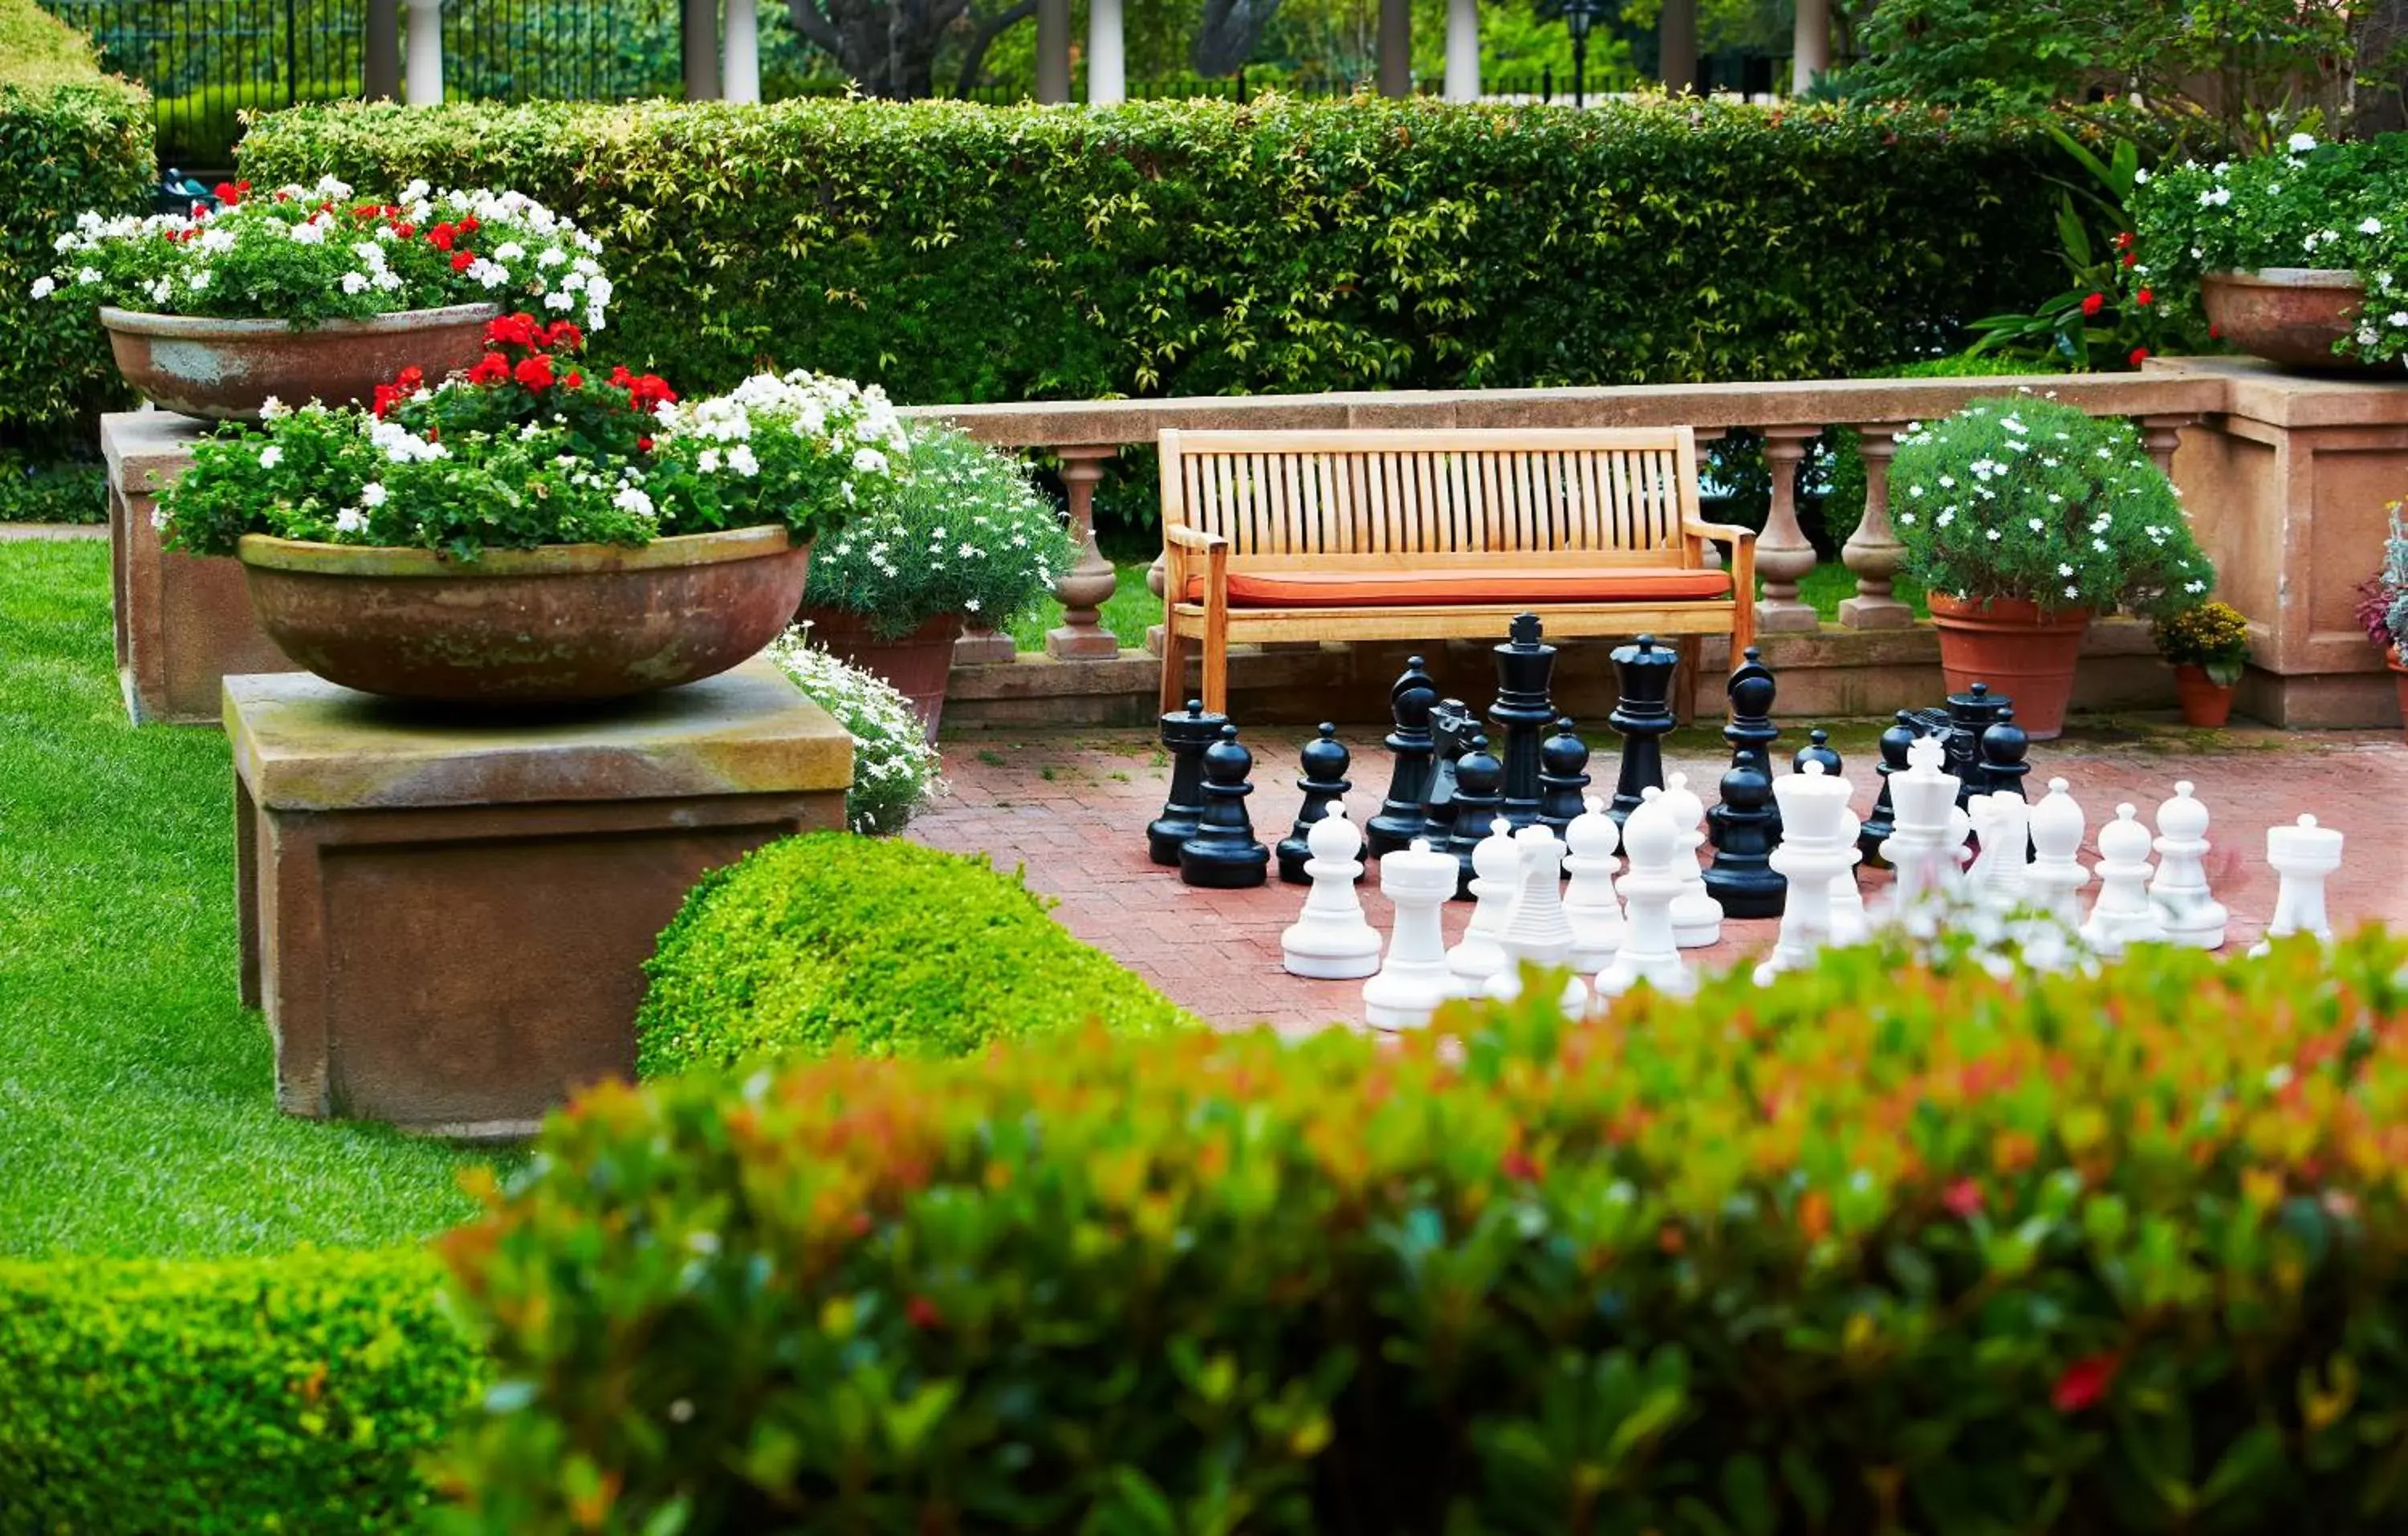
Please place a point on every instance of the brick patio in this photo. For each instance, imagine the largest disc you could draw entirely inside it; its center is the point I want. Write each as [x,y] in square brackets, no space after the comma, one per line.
[1071,806]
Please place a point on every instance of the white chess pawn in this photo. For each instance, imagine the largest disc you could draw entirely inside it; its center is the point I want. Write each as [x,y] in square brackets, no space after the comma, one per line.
[2055,872]
[1813,853]
[1927,830]
[1696,916]
[1589,902]
[1496,885]
[1650,952]
[1413,979]
[2004,823]
[2304,854]
[1537,933]
[1849,923]
[2192,916]
[2123,914]
[1331,940]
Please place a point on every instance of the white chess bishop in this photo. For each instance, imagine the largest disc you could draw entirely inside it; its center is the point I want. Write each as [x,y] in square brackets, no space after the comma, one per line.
[1813,853]
[1696,916]
[1590,905]
[1495,885]
[2055,873]
[1413,979]
[1649,953]
[2123,914]
[2305,856]
[1331,940]
[2190,914]
[1537,933]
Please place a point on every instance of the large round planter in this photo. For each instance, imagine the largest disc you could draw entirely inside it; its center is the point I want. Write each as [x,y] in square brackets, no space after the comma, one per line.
[2205,703]
[2291,315]
[226,369]
[2019,651]
[570,622]
[918,665]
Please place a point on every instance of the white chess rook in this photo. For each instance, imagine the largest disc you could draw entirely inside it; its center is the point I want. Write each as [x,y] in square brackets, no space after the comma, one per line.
[1413,979]
[1537,933]
[2190,914]
[1696,916]
[1650,952]
[1589,902]
[1495,885]
[1331,940]
[1813,853]
[2305,856]
[2123,914]
[2056,874]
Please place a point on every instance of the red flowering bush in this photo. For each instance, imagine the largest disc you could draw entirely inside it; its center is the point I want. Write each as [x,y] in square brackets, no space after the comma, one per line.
[1888,1248]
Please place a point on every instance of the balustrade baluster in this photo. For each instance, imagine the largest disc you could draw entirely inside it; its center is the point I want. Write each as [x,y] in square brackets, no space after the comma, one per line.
[1873,551]
[1080,636]
[1782,555]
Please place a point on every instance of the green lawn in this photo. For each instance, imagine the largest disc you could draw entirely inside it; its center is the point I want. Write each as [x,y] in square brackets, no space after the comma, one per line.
[137,1115]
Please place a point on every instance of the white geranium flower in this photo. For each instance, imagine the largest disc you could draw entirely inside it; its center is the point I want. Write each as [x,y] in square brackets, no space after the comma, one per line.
[707,461]
[351,520]
[355,282]
[740,459]
[44,287]
[88,276]
[308,232]
[273,409]
[2302,143]
[632,499]
[868,461]
[373,493]
[559,301]
[270,456]
[2370,226]
[216,240]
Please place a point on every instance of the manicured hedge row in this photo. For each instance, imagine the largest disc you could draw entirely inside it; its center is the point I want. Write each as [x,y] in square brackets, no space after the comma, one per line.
[296,1393]
[876,946]
[1882,1249]
[958,253]
[70,139]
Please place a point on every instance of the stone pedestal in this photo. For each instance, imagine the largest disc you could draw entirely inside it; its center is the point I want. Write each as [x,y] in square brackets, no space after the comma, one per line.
[2287,488]
[446,920]
[183,622]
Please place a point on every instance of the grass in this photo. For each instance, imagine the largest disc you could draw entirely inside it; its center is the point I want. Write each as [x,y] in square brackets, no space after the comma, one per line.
[38,50]
[136,1109]
[1831,583]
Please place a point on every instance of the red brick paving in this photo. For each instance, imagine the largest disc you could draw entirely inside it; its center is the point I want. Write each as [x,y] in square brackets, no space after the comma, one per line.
[1071,806]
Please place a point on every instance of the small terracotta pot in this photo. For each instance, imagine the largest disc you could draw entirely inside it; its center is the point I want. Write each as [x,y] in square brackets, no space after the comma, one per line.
[2399,679]
[226,369]
[569,622]
[2204,701]
[2009,644]
[918,665]
[2291,315]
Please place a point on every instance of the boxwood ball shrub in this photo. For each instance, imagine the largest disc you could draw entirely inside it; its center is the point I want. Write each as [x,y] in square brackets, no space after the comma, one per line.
[956,252]
[1889,1247]
[876,946]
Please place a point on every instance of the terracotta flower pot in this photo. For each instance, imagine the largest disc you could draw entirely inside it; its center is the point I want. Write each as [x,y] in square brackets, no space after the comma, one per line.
[918,665]
[2019,651]
[2204,701]
[565,623]
[2291,315]
[225,369]
[2399,680]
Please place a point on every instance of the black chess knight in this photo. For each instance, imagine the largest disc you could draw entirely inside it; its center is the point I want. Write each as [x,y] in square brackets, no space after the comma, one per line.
[1399,821]
[1452,729]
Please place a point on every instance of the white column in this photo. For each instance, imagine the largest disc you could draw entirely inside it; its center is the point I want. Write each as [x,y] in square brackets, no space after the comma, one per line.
[739,69]
[423,80]
[1810,46]
[1053,50]
[1107,71]
[1463,50]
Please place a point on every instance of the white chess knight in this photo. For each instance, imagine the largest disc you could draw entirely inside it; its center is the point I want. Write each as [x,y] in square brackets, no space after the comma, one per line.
[1696,916]
[1590,905]
[1413,979]
[2002,821]
[2123,914]
[1649,953]
[2190,914]
[2305,856]
[1495,885]
[1814,852]
[1331,940]
[1537,933]
[1849,923]
[1927,841]
[2055,872]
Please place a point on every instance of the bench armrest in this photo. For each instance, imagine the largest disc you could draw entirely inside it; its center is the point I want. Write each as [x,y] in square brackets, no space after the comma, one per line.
[1180,545]
[1192,539]
[1721,533]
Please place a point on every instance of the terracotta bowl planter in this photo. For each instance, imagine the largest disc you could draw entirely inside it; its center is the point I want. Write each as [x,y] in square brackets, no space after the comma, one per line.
[918,665]
[224,369]
[571,623]
[2204,701]
[2290,315]
[2011,645]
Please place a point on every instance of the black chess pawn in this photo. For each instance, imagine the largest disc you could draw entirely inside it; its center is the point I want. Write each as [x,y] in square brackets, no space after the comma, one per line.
[2004,748]
[1525,667]
[1643,717]
[1818,749]
[1563,762]
[1479,799]
[1452,728]
[1399,821]
[1325,783]
[1746,827]
[1186,734]
[1224,854]
[1883,822]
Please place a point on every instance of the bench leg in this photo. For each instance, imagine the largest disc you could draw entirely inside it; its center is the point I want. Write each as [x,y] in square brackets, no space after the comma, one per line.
[1174,670]
[1690,673]
[1216,668]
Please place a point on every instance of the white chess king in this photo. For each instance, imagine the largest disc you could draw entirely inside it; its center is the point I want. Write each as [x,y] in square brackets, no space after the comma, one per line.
[1331,940]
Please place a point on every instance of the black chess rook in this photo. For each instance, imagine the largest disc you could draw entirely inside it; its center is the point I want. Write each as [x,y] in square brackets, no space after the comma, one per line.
[1223,854]
[1325,783]
[1186,734]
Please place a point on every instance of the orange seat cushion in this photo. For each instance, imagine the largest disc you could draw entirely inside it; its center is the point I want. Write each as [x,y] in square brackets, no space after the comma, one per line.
[1501,585]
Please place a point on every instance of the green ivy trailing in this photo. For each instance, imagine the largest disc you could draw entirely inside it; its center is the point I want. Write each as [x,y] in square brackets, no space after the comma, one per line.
[956,252]
[296,1393]
[71,138]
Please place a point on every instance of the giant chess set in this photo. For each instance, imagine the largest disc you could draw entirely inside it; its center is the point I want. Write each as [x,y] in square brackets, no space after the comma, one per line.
[1497,810]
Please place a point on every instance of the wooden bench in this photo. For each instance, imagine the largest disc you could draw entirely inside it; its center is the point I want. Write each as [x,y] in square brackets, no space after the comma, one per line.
[1438,534]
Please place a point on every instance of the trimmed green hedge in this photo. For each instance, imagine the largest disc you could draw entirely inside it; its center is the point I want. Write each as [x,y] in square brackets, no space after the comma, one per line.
[958,252]
[1885,1248]
[882,946]
[298,1393]
[70,138]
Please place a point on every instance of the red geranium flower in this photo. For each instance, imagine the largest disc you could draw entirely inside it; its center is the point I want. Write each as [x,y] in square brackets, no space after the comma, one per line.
[2124,241]
[534,372]
[441,237]
[2132,258]
[463,260]
[468,225]
[643,445]
[923,1312]
[2144,296]
[573,379]
[518,330]
[2095,302]
[2140,355]
[564,334]
[492,368]
[386,397]
[226,193]
[411,378]
[2215,331]
[1964,1199]
[403,230]
[2085,1383]
[620,378]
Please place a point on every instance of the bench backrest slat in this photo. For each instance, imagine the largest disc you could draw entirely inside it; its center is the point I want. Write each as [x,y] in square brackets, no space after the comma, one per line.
[1551,491]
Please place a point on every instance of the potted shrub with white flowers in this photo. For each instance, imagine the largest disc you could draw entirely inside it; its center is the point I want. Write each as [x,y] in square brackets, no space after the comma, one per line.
[313,293]
[2299,257]
[527,533]
[2022,518]
[967,536]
